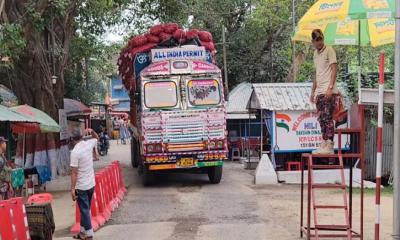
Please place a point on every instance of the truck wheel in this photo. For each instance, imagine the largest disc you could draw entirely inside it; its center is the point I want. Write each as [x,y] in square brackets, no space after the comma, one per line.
[147,177]
[134,154]
[215,174]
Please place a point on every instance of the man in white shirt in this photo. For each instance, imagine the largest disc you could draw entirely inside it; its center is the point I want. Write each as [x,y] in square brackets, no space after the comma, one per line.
[324,91]
[83,178]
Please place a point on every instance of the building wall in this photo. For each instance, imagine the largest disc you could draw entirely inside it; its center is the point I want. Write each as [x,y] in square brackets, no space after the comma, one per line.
[118,92]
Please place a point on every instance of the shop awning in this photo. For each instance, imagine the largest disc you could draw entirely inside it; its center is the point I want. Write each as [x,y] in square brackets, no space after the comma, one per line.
[75,108]
[8,115]
[46,123]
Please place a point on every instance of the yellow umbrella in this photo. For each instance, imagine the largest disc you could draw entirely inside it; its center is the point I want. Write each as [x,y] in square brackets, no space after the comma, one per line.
[328,11]
[374,32]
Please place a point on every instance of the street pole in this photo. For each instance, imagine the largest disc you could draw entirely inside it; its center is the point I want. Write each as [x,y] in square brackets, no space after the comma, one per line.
[293,42]
[379,146]
[224,59]
[396,143]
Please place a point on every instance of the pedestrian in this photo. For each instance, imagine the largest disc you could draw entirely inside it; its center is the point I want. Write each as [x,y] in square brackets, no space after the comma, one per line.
[122,131]
[5,171]
[324,90]
[83,178]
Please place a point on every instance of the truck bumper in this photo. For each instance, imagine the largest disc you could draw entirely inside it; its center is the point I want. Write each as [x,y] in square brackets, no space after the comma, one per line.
[197,164]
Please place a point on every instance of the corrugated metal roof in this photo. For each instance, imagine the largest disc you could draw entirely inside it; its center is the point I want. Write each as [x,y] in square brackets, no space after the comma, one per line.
[284,96]
[239,97]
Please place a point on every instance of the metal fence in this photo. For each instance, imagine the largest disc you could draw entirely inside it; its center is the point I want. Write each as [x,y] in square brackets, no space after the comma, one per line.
[387,151]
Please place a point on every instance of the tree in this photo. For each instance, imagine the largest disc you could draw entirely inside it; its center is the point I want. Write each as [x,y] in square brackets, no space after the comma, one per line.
[44,30]
[89,64]
[37,36]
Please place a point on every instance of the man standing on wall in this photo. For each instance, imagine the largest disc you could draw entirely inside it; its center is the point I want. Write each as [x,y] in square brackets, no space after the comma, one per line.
[83,178]
[324,91]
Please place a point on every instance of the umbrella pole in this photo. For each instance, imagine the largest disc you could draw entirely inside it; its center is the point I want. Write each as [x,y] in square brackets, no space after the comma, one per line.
[359,60]
[23,147]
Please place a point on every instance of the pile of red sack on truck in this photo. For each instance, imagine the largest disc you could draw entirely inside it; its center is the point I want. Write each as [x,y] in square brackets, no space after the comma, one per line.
[165,35]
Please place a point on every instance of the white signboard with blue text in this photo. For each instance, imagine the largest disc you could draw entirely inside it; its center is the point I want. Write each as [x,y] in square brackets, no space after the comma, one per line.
[299,131]
[179,53]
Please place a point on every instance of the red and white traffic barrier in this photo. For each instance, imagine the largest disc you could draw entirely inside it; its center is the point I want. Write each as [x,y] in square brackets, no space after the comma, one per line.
[14,223]
[379,145]
[108,194]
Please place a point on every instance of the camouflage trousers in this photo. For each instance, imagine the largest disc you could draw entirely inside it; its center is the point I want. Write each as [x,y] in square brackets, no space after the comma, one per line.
[325,108]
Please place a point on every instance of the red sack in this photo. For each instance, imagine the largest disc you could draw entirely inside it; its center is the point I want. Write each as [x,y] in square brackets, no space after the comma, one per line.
[165,36]
[209,46]
[126,83]
[156,30]
[192,33]
[138,41]
[179,34]
[152,38]
[170,28]
[205,36]
[145,48]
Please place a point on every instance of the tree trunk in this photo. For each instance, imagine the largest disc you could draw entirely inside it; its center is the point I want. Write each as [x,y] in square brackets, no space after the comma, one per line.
[31,77]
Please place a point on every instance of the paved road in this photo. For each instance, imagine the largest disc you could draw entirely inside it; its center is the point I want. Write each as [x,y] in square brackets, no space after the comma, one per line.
[186,206]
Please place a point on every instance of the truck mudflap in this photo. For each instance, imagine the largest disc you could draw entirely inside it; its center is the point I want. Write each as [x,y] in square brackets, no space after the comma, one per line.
[185,164]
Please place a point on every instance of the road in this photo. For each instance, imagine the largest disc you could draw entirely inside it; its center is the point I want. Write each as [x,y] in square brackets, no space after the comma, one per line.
[186,206]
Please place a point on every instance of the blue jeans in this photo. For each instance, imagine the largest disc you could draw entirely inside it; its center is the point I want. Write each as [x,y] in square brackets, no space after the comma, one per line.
[84,198]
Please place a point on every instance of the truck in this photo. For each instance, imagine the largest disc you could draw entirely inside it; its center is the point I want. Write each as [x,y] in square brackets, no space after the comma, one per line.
[178,108]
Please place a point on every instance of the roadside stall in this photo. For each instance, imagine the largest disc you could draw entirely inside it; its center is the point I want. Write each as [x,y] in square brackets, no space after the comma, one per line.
[11,117]
[77,113]
[242,124]
[36,149]
[291,122]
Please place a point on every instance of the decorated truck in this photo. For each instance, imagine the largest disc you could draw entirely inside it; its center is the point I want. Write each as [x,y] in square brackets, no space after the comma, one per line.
[178,116]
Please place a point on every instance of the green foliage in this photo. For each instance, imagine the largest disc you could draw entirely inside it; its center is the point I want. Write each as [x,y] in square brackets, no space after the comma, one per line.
[258,32]
[89,64]
[12,41]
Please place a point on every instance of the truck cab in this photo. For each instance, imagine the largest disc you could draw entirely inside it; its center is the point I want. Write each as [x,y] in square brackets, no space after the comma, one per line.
[180,115]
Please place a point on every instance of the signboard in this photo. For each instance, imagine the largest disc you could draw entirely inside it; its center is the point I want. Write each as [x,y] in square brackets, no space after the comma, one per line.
[299,131]
[180,53]
[142,60]
[62,116]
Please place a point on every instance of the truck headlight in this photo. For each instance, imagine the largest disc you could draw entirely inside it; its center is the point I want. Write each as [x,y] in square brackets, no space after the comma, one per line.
[150,148]
[211,144]
[154,148]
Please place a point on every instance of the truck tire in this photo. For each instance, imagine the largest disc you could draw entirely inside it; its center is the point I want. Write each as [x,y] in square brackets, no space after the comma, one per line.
[147,177]
[134,154]
[215,174]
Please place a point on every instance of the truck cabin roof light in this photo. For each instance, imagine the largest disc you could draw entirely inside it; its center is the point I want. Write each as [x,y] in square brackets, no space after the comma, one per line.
[180,64]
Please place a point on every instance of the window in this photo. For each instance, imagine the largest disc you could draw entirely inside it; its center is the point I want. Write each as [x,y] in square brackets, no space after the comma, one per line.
[160,94]
[204,92]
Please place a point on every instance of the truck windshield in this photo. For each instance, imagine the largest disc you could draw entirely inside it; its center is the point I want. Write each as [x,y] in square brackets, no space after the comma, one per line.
[204,92]
[160,94]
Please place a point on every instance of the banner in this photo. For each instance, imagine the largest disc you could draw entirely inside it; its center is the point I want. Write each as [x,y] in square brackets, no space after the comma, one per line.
[62,116]
[299,131]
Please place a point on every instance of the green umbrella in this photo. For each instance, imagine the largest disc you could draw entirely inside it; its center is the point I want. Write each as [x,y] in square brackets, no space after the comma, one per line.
[47,124]
[8,115]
